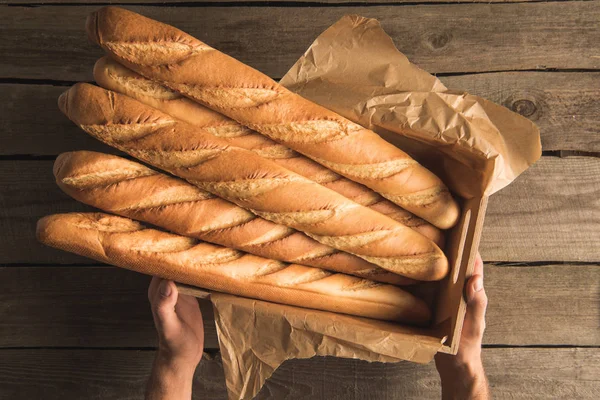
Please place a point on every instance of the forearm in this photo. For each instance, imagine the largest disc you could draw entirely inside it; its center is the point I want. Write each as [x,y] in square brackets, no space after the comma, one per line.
[467,382]
[169,379]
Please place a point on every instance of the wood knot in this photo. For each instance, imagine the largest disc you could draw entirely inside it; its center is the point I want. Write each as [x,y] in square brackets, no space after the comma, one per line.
[527,104]
[437,41]
[524,107]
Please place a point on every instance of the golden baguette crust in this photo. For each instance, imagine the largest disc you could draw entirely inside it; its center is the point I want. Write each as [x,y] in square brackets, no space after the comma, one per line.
[181,62]
[252,182]
[128,244]
[111,75]
[130,189]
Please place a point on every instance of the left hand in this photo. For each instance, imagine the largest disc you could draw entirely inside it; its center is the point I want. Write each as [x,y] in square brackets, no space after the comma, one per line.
[178,320]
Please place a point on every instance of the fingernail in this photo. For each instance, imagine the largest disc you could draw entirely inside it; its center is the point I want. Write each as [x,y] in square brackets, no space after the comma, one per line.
[165,288]
[478,286]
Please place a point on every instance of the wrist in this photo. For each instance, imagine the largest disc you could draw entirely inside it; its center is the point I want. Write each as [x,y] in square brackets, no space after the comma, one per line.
[463,380]
[178,365]
[171,378]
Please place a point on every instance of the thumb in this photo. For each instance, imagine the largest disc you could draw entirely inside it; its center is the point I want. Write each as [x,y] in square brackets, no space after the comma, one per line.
[163,308]
[476,304]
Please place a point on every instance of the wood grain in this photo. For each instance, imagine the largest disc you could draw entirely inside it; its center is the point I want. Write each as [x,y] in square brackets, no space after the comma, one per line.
[565,106]
[31,123]
[513,374]
[48,42]
[550,213]
[80,306]
[207,3]
[112,374]
[543,305]
[92,374]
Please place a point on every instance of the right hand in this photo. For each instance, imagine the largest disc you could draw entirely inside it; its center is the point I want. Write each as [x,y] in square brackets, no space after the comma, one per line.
[178,320]
[462,375]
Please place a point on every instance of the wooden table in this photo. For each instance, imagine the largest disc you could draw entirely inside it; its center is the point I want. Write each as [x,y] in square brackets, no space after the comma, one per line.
[72,329]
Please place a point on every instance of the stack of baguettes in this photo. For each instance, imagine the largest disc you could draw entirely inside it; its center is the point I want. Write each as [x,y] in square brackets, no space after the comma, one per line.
[280,199]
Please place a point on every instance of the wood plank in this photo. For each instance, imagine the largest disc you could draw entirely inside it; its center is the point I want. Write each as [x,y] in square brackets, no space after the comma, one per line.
[31,123]
[48,42]
[513,373]
[550,213]
[27,193]
[107,307]
[92,374]
[543,305]
[81,307]
[112,374]
[207,3]
[566,107]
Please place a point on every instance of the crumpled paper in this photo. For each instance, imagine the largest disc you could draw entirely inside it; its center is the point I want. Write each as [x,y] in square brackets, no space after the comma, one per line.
[255,337]
[475,146]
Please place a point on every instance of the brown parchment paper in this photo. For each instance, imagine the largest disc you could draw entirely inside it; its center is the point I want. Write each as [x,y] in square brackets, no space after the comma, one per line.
[476,146]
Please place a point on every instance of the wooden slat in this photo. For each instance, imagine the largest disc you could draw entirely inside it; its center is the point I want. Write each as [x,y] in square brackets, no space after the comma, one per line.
[27,193]
[513,374]
[543,305]
[566,107]
[48,42]
[111,374]
[92,374]
[80,307]
[107,307]
[31,123]
[201,3]
[550,213]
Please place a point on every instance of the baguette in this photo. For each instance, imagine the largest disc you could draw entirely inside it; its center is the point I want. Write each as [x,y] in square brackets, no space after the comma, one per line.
[252,182]
[111,75]
[179,61]
[128,244]
[119,186]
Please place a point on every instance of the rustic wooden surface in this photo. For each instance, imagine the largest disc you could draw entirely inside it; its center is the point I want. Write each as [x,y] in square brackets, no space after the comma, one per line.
[565,373]
[245,2]
[73,329]
[48,42]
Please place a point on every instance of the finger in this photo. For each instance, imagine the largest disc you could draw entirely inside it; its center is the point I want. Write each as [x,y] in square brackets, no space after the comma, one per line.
[478,270]
[476,304]
[163,309]
[153,287]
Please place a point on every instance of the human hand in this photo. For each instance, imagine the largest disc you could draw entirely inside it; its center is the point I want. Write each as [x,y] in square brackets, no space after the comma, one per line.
[178,321]
[462,375]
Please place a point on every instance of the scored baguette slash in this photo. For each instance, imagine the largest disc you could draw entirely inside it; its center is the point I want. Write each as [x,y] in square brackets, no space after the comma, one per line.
[233,172]
[111,75]
[127,188]
[254,100]
[128,244]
